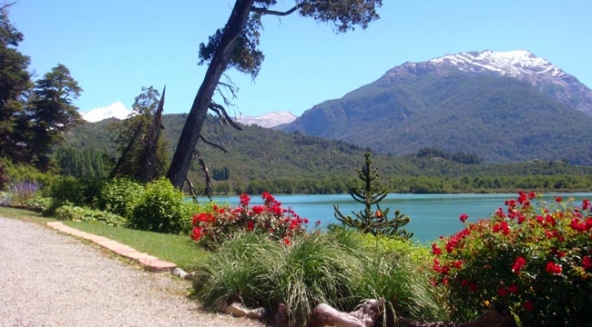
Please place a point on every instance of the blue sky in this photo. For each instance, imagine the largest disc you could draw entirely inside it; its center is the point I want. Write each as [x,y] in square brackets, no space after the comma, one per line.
[115,47]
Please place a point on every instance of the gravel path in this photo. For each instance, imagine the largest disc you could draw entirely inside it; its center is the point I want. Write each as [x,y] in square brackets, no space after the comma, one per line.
[48,279]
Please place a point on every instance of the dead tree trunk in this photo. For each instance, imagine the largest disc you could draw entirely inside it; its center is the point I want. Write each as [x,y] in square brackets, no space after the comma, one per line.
[148,168]
[183,154]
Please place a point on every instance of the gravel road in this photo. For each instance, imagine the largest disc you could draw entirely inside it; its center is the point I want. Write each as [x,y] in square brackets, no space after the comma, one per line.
[49,279]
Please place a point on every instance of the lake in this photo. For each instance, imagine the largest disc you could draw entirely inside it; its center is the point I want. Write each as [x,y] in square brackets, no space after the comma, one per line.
[432,215]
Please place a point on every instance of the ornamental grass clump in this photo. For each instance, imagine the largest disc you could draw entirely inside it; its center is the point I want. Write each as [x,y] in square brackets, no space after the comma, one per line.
[533,257]
[281,224]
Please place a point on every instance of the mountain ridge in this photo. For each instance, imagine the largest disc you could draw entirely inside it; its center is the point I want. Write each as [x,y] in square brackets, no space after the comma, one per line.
[476,109]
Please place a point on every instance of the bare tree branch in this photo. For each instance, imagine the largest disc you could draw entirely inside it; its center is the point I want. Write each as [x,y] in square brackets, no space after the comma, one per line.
[7,5]
[265,11]
[212,144]
[222,114]
[204,168]
[192,190]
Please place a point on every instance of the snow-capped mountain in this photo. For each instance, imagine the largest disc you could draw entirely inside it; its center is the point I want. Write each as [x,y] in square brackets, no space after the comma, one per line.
[520,64]
[114,110]
[268,120]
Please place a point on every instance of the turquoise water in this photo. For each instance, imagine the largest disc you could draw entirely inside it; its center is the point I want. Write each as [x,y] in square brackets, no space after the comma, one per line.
[432,215]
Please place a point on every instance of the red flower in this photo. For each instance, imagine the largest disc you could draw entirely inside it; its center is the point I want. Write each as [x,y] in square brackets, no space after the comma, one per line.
[196,233]
[287,241]
[558,199]
[318,223]
[258,209]
[244,199]
[436,250]
[518,265]
[473,287]
[513,289]
[250,225]
[586,204]
[587,262]
[503,292]
[463,217]
[528,306]
[553,268]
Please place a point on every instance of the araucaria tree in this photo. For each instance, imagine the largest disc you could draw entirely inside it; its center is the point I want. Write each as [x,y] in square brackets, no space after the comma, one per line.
[375,222]
[236,45]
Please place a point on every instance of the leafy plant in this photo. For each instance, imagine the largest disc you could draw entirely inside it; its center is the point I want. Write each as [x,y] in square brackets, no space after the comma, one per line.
[120,196]
[215,226]
[536,259]
[367,220]
[160,209]
[69,212]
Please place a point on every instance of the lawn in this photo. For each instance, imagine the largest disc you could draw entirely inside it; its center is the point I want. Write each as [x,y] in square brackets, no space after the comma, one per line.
[178,249]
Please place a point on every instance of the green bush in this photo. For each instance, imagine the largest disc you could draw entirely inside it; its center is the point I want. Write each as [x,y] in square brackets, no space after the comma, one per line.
[120,196]
[534,258]
[64,191]
[161,209]
[73,213]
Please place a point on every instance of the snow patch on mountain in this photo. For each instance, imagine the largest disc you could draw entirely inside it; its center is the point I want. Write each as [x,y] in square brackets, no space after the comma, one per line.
[114,110]
[268,120]
[510,63]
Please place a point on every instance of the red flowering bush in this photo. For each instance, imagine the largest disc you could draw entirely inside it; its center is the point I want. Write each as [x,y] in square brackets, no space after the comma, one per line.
[278,223]
[535,258]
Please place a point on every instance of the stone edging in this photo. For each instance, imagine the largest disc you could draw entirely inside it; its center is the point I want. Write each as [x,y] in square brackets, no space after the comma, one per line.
[147,261]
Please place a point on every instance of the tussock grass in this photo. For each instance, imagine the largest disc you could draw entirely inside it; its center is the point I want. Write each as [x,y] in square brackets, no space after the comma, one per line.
[339,268]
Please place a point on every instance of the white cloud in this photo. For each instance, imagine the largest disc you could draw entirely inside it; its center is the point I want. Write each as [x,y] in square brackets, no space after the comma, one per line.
[114,110]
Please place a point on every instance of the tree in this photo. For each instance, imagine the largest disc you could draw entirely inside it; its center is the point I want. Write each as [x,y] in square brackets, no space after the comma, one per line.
[15,81]
[144,155]
[50,113]
[236,46]
[367,220]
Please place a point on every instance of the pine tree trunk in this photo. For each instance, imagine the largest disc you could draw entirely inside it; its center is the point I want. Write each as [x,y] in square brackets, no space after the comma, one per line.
[192,129]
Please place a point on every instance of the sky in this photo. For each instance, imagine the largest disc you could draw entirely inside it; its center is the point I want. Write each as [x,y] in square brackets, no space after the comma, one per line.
[113,48]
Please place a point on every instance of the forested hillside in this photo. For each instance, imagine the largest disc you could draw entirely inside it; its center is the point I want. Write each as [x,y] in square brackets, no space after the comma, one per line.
[260,159]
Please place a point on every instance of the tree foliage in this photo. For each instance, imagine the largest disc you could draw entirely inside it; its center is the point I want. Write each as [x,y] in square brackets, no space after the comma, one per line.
[236,45]
[15,81]
[50,113]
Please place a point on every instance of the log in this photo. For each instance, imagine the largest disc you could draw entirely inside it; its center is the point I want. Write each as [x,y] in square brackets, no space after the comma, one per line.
[366,315]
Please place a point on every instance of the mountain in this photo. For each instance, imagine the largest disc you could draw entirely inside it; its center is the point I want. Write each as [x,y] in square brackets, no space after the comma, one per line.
[268,120]
[501,106]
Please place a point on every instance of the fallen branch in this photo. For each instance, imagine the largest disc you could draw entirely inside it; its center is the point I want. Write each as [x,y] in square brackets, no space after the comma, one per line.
[366,315]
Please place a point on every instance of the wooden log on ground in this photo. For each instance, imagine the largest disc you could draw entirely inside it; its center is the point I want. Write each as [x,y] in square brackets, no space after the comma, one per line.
[366,315]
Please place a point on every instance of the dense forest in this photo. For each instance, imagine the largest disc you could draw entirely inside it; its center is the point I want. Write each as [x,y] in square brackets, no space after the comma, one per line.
[257,159]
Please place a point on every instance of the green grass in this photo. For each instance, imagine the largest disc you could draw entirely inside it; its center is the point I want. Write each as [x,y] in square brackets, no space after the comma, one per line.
[178,249]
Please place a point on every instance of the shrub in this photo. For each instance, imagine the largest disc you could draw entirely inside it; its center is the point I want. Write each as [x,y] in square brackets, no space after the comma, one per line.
[536,259]
[64,191]
[212,227]
[120,196]
[73,213]
[160,209]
